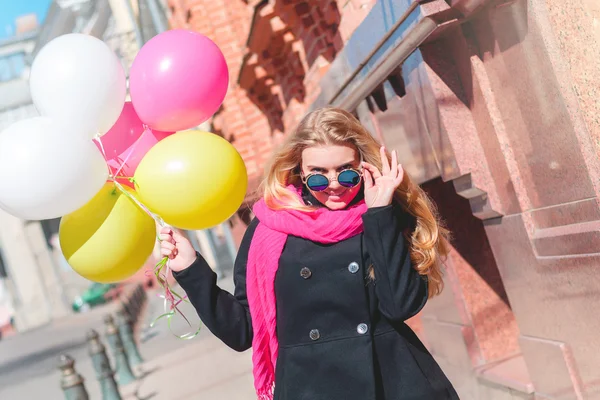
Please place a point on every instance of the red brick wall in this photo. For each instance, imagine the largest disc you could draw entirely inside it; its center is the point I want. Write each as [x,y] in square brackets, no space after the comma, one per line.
[276,56]
[227,25]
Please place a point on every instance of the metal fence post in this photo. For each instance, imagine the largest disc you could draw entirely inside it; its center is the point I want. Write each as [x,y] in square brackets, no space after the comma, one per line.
[122,367]
[71,382]
[104,373]
[126,332]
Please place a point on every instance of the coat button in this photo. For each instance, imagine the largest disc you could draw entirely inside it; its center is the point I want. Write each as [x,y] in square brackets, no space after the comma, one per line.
[314,334]
[305,273]
[353,267]
[362,329]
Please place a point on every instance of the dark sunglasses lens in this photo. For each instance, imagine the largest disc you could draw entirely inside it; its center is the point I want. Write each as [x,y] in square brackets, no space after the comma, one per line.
[348,178]
[317,182]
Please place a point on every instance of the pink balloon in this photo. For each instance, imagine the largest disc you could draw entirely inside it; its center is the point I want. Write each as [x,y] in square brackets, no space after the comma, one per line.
[178,80]
[127,142]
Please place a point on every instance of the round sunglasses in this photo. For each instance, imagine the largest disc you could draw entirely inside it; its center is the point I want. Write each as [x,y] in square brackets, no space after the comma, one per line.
[347,178]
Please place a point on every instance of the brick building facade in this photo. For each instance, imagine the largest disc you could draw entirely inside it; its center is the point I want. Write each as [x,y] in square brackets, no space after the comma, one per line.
[493,107]
[277,53]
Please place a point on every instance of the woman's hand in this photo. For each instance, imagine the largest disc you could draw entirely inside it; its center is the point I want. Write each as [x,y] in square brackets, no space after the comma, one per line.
[177,248]
[381,185]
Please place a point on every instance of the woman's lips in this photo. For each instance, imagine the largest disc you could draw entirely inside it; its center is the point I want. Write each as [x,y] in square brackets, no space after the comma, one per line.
[336,195]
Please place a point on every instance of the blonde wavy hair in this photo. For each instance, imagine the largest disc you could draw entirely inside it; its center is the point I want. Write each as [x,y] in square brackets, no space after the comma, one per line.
[333,126]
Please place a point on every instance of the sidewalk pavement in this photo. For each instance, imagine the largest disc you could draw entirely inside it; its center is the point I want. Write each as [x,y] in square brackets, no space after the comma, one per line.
[202,368]
[29,356]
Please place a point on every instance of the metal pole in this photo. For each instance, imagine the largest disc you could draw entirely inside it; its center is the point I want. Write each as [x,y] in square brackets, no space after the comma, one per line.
[136,28]
[191,236]
[71,382]
[123,369]
[231,247]
[104,374]
[206,249]
[157,16]
[210,236]
[126,332]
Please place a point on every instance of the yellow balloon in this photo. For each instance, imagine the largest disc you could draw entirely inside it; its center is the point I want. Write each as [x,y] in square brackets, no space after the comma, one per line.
[192,179]
[109,239]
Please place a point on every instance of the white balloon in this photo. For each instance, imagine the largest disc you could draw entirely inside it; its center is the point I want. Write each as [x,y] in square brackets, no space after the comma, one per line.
[77,79]
[43,173]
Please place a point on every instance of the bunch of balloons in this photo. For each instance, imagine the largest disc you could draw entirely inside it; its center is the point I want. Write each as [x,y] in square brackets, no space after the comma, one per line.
[111,168]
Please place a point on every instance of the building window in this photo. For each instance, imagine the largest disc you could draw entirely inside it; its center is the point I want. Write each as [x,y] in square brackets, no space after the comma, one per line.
[12,66]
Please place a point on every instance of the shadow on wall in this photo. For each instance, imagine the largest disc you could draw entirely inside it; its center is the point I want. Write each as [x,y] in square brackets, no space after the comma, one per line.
[473,79]
[469,238]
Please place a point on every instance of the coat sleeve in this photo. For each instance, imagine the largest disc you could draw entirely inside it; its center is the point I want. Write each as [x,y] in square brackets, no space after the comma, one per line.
[227,316]
[401,291]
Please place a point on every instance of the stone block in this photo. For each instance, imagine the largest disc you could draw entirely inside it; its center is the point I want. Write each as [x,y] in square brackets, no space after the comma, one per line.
[552,368]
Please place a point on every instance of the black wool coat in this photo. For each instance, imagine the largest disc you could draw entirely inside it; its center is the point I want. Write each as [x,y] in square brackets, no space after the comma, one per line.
[341,335]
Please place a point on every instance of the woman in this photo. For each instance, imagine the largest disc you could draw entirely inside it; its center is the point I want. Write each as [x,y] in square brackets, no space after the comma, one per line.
[343,249]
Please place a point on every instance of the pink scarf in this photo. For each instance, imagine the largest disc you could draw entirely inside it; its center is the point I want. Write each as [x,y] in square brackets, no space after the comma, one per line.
[322,226]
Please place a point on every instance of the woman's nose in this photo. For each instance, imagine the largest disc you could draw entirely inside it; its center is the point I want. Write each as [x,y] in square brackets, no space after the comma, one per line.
[333,183]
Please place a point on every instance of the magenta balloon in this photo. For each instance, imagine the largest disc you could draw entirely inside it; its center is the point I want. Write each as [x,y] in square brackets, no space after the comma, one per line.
[123,133]
[127,142]
[178,80]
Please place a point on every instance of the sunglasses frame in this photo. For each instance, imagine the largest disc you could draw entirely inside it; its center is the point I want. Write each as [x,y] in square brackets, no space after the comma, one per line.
[307,177]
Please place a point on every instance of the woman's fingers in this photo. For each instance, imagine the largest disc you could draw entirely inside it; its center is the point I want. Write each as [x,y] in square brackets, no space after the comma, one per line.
[178,236]
[166,238]
[167,245]
[400,175]
[375,173]
[168,253]
[394,166]
[170,235]
[368,179]
[385,164]
[168,249]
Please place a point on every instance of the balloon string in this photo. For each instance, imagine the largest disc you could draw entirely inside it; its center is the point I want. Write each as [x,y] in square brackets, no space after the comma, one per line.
[162,268]
[103,151]
[122,163]
[131,150]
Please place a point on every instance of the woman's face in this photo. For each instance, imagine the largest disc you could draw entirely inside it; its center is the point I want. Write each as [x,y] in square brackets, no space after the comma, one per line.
[330,160]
